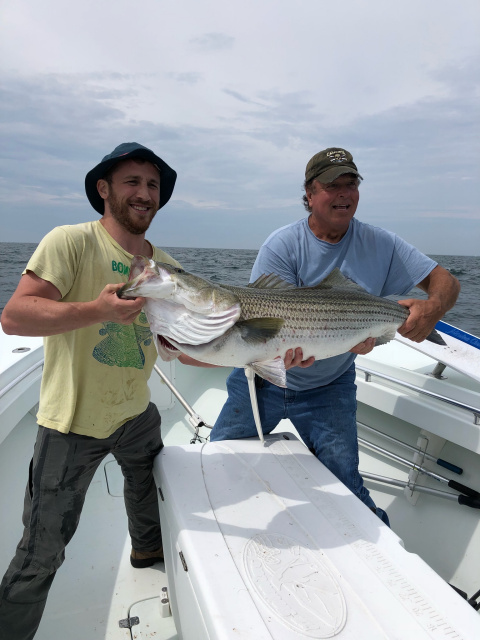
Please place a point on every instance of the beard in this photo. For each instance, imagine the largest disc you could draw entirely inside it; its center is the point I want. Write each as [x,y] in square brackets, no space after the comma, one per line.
[122,214]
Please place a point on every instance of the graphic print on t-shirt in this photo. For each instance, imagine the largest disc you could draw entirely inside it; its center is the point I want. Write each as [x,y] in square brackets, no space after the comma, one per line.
[122,346]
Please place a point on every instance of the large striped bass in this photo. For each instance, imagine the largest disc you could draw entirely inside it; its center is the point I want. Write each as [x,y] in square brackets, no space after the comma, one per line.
[255,325]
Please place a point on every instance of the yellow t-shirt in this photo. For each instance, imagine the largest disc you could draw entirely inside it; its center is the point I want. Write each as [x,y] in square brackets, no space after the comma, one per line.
[94,379]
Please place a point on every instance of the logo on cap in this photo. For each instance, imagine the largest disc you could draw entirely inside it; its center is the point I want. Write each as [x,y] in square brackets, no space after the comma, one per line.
[337,156]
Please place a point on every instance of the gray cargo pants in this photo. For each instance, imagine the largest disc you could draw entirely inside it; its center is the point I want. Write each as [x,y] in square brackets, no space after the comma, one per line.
[61,470]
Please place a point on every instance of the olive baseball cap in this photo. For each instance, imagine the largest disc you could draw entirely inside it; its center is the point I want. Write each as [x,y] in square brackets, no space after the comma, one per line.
[329,164]
[125,151]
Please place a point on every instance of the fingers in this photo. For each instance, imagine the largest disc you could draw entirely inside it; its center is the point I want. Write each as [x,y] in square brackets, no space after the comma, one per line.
[415,334]
[364,347]
[416,329]
[423,316]
[294,358]
[115,309]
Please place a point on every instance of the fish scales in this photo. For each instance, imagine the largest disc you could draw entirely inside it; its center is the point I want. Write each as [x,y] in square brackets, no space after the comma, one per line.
[254,326]
[303,309]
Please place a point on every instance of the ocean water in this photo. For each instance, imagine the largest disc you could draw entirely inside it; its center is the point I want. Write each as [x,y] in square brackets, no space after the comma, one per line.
[233,266]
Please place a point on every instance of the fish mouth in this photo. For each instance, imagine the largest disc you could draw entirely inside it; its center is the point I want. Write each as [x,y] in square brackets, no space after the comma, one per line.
[138,286]
[146,278]
[166,344]
[165,349]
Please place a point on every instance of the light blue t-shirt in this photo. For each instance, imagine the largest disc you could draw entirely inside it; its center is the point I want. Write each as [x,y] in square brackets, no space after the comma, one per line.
[378,260]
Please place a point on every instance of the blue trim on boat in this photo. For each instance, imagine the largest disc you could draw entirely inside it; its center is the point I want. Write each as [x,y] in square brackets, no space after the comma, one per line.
[459,334]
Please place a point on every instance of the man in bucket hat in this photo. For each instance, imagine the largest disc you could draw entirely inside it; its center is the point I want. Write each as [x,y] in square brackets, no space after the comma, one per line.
[97,347]
[320,398]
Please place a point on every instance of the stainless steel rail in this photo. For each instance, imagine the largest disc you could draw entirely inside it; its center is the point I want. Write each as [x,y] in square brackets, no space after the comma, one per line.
[412,486]
[468,501]
[442,463]
[21,377]
[408,385]
[195,420]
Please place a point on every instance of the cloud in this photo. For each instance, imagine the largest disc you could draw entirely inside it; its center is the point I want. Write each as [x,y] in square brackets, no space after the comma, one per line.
[212,42]
[238,96]
[237,106]
[417,159]
[188,77]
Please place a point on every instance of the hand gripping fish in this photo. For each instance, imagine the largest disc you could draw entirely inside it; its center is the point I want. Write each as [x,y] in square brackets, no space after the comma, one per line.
[255,325]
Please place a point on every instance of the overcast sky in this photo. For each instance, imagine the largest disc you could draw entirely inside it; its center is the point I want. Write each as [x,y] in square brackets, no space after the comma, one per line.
[236,97]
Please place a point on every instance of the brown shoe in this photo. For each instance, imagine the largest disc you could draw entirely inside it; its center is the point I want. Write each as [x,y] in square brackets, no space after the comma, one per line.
[144,559]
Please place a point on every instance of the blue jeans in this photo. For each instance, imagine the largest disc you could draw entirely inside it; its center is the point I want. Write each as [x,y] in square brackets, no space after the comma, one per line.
[325,418]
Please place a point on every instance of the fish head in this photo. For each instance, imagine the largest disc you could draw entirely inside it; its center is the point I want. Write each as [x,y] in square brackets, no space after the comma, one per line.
[146,280]
[162,281]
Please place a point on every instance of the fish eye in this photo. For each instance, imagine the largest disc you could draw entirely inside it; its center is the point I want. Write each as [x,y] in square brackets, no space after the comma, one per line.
[178,270]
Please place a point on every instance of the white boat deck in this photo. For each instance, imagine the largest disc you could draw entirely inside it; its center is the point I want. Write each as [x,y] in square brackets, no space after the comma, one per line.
[96,587]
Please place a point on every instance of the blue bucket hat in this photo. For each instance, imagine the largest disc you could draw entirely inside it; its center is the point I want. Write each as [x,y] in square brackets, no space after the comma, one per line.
[126,151]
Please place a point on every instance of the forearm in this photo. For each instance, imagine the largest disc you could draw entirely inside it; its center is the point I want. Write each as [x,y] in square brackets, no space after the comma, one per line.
[442,289]
[35,309]
[34,316]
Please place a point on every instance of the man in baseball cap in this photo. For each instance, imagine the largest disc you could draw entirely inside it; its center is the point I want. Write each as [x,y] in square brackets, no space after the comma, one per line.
[320,399]
[329,164]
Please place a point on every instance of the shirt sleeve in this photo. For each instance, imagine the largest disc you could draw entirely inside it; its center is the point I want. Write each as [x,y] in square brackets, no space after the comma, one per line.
[56,260]
[408,267]
[276,260]
[163,256]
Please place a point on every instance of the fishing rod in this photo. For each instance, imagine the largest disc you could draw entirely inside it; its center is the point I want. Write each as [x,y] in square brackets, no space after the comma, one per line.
[453,484]
[442,463]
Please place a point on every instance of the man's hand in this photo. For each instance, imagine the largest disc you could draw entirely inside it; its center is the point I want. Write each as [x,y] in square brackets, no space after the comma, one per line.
[294,358]
[363,348]
[111,308]
[424,315]
[442,289]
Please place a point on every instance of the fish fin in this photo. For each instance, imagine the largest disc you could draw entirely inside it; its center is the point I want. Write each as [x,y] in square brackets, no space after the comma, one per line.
[433,336]
[386,337]
[259,329]
[336,279]
[436,338]
[271,370]
[166,353]
[272,281]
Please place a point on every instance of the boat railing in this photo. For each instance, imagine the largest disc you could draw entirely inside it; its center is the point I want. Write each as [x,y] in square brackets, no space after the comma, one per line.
[368,373]
[21,377]
[413,387]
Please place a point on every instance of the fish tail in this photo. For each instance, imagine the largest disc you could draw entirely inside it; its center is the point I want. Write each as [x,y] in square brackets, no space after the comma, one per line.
[436,338]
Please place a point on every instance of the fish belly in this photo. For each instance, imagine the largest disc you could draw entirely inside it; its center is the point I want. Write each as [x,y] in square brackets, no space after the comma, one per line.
[232,350]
